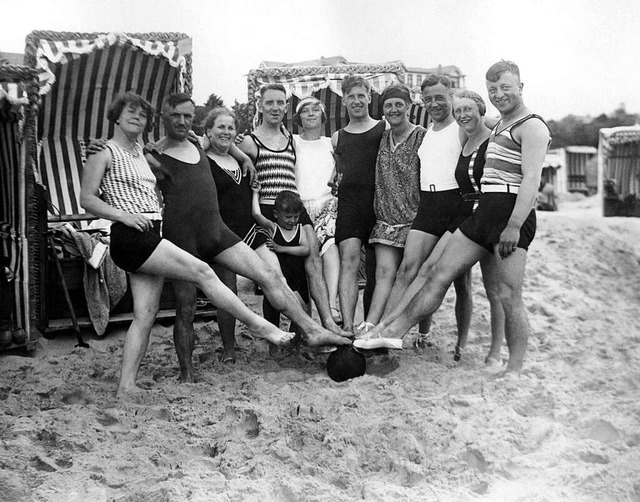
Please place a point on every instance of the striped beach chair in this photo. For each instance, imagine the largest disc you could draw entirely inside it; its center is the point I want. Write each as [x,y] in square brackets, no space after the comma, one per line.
[19,207]
[79,74]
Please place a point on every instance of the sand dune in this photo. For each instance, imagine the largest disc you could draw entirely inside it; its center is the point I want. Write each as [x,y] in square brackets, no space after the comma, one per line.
[417,426]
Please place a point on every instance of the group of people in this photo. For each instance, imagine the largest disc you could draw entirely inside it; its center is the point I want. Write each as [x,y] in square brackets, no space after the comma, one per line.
[409,192]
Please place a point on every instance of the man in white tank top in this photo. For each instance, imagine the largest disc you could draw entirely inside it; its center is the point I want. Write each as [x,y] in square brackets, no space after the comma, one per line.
[439,204]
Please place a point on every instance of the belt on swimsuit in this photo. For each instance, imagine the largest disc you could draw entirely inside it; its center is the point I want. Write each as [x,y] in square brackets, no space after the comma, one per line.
[153,216]
[500,188]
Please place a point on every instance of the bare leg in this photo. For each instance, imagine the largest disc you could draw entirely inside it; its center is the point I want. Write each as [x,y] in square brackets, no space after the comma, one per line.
[488,265]
[370,275]
[226,322]
[424,326]
[459,255]
[242,260]
[317,286]
[516,329]
[146,291]
[183,334]
[464,309]
[170,261]
[388,259]
[416,250]
[348,283]
[331,273]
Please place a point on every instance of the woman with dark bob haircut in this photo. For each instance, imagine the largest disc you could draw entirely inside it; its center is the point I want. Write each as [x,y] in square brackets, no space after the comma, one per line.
[118,184]
[130,99]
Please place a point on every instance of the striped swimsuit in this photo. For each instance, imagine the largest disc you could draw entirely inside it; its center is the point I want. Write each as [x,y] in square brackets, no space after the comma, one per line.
[504,156]
[275,170]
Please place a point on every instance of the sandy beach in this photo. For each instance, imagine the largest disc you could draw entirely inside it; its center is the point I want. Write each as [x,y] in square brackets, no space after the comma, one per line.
[417,426]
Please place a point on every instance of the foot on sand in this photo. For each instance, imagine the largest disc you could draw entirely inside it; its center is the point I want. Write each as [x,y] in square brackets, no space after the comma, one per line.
[378,342]
[457,353]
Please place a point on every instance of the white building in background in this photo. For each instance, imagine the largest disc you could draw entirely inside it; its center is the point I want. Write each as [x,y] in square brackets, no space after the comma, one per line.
[413,76]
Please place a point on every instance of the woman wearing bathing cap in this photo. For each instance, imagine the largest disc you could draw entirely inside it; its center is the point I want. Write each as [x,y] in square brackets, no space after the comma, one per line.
[315,170]
[397,194]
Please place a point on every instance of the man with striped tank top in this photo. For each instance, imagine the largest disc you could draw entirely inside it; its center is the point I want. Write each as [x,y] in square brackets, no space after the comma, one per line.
[504,222]
[270,147]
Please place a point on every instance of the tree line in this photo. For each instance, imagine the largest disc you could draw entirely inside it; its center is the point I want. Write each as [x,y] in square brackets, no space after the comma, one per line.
[573,130]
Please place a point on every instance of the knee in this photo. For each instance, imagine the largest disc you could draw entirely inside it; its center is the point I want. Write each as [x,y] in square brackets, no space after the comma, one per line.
[406,269]
[508,296]
[145,315]
[204,274]
[385,274]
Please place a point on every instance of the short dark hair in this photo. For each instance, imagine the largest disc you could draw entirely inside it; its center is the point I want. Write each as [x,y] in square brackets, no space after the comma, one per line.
[496,70]
[288,202]
[218,111]
[130,98]
[434,79]
[351,81]
[272,87]
[175,99]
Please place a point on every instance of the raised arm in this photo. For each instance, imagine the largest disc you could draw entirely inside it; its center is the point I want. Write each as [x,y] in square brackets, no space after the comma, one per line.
[257,214]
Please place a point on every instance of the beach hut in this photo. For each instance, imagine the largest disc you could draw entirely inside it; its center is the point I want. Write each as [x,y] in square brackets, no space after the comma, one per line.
[79,74]
[19,208]
[324,82]
[619,170]
[582,169]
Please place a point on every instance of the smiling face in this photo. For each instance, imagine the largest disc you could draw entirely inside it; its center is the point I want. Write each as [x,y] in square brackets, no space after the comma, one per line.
[133,119]
[273,105]
[467,114]
[286,219]
[356,101]
[222,133]
[178,120]
[395,111]
[437,101]
[311,116]
[506,93]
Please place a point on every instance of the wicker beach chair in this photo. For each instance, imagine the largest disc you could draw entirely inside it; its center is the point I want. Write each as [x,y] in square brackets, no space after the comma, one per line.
[19,206]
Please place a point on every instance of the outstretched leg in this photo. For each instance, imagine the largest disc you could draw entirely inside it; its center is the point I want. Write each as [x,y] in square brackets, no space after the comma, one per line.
[170,261]
[242,260]
[459,254]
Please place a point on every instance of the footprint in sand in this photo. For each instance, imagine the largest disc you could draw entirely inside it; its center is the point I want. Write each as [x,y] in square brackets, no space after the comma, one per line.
[246,423]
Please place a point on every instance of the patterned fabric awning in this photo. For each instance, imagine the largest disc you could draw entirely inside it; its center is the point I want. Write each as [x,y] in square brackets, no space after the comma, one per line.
[612,136]
[84,72]
[60,51]
[325,83]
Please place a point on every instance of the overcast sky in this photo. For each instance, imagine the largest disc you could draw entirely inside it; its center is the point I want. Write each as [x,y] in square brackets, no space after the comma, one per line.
[579,57]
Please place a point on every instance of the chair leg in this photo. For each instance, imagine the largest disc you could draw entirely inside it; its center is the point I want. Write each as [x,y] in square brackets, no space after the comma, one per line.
[74,320]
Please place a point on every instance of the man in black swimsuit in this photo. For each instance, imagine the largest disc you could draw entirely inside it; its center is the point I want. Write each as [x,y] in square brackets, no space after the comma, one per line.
[192,221]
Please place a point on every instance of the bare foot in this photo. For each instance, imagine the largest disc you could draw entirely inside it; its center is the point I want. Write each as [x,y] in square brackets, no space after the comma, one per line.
[325,337]
[186,376]
[274,335]
[229,356]
[129,393]
[331,325]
